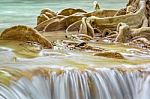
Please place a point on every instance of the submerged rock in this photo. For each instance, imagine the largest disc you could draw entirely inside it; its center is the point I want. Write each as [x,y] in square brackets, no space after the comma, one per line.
[110,55]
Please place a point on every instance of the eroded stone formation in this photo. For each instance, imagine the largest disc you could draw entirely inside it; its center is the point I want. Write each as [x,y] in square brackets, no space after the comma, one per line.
[102,23]
[148,11]
[127,25]
[25,34]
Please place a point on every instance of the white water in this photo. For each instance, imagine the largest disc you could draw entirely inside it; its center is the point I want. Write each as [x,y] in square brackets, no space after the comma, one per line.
[73,84]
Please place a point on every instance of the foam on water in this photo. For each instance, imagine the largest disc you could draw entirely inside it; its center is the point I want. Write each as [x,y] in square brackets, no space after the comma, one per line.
[102,83]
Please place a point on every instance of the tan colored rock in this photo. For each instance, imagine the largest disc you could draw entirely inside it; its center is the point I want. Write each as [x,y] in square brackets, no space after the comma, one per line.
[42,25]
[74,26]
[107,32]
[107,54]
[86,27]
[49,15]
[142,40]
[133,2]
[46,10]
[45,14]
[83,37]
[102,13]
[121,12]
[133,20]
[70,11]
[62,24]
[148,11]
[42,18]
[24,33]
[142,32]
[123,70]
[124,33]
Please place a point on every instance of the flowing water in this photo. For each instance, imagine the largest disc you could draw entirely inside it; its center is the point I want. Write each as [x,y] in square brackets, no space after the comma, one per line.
[74,84]
[66,74]
[27,73]
[15,12]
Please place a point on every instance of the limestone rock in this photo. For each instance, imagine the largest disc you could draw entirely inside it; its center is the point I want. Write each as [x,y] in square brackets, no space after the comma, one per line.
[24,33]
[70,11]
[110,55]
[42,18]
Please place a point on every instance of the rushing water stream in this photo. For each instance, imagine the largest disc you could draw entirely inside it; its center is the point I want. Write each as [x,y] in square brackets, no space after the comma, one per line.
[74,84]
[65,74]
[27,73]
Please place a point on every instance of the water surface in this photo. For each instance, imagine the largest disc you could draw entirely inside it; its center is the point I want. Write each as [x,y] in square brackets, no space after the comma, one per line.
[15,12]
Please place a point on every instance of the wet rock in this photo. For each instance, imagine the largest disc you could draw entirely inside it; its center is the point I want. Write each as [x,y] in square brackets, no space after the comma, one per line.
[124,70]
[124,33]
[83,37]
[107,32]
[108,54]
[81,44]
[25,33]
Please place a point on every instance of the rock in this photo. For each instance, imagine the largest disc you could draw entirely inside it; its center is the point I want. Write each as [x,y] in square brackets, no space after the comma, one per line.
[49,15]
[46,10]
[42,18]
[81,44]
[70,11]
[106,32]
[62,24]
[24,33]
[107,54]
[83,37]
[42,25]
[121,12]
[148,11]
[124,33]
[45,15]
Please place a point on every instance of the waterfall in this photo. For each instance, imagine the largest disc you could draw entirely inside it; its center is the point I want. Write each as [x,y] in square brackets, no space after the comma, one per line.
[102,83]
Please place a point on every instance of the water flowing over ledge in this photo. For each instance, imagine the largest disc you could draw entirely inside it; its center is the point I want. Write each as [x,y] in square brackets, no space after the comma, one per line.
[104,54]
[101,83]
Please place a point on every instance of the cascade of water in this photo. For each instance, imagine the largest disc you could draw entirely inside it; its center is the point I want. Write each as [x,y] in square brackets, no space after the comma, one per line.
[75,84]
